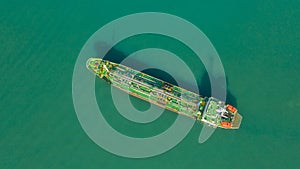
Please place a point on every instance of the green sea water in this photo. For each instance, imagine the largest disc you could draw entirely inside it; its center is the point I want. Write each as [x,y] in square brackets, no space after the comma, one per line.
[258,43]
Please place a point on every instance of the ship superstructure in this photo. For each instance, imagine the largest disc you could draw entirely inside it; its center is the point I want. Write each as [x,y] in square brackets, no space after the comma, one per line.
[207,110]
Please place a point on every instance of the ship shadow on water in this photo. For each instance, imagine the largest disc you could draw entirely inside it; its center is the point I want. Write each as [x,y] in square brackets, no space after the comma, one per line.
[113,55]
[205,89]
[204,86]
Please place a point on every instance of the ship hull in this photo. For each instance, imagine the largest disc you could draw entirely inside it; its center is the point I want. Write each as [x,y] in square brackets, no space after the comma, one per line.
[166,95]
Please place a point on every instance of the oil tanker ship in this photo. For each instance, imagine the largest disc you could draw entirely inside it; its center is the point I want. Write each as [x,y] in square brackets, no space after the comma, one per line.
[208,110]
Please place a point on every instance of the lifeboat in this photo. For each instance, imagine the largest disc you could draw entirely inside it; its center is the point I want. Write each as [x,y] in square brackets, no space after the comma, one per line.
[231,108]
[225,124]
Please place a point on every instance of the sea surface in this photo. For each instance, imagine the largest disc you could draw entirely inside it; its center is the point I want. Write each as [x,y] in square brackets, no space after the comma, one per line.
[258,43]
